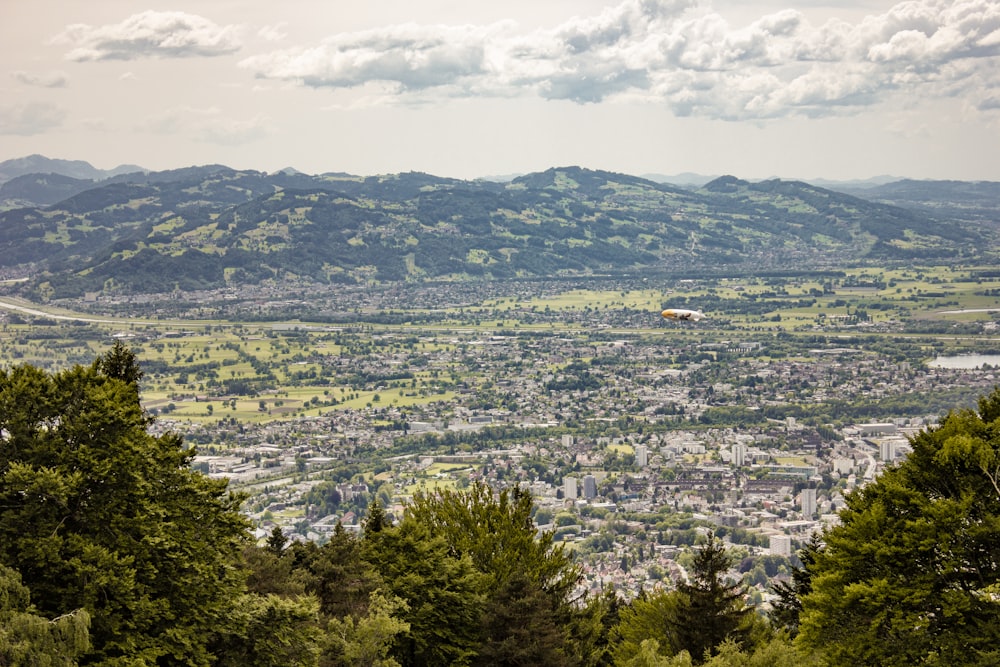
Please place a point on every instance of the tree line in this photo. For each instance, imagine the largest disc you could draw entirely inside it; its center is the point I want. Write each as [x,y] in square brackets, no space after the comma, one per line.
[113,551]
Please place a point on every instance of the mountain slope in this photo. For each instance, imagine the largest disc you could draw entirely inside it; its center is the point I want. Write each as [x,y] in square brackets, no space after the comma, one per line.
[39,164]
[970,201]
[211,226]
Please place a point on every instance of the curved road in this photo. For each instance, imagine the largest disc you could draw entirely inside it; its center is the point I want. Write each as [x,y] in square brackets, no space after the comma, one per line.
[29,310]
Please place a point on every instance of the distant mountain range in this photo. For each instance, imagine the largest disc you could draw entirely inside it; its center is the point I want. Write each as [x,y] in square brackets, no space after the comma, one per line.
[211,226]
[39,164]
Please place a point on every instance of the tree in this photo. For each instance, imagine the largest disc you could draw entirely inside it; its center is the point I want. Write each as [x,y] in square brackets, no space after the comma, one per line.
[648,618]
[336,573]
[648,655]
[912,573]
[711,611]
[269,630]
[777,652]
[376,519]
[521,628]
[97,513]
[366,641]
[442,592]
[785,610]
[591,628]
[528,580]
[29,639]
[276,541]
[119,363]
[498,534]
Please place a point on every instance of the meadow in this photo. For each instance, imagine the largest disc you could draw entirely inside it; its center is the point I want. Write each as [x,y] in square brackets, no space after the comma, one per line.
[257,372]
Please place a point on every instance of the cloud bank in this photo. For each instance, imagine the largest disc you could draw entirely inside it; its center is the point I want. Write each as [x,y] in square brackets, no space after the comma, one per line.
[30,118]
[677,53]
[150,34]
[53,79]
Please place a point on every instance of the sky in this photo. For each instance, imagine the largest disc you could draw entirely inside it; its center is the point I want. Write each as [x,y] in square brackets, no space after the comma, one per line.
[816,89]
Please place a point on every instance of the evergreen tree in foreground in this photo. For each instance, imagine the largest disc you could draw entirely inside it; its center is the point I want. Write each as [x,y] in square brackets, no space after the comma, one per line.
[711,610]
[694,620]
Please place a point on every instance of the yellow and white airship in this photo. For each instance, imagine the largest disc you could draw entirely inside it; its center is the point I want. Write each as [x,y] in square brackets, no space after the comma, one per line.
[682,314]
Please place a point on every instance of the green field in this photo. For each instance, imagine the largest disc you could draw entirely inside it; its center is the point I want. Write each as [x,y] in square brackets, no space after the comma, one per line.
[257,372]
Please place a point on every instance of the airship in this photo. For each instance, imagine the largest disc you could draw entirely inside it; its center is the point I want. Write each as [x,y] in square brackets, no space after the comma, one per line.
[682,314]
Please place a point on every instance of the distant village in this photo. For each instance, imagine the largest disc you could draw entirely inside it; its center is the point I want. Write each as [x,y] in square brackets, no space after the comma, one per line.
[628,501]
[634,445]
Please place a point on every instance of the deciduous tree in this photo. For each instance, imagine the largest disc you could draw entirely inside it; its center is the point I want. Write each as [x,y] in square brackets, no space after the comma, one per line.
[97,513]
[29,639]
[521,570]
[442,592]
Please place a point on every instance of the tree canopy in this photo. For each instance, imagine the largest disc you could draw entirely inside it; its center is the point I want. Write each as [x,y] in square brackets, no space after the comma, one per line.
[694,619]
[96,513]
[912,574]
[114,551]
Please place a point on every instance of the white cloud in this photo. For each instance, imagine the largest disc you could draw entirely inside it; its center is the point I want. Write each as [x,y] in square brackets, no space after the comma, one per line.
[53,79]
[273,33]
[208,125]
[150,34]
[411,56]
[30,118]
[678,53]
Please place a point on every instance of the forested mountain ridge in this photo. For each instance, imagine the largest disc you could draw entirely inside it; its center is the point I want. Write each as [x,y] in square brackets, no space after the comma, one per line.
[212,226]
[977,201]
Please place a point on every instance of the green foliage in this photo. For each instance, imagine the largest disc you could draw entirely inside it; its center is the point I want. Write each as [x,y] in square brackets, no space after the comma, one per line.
[29,639]
[695,619]
[442,592]
[591,629]
[527,578]
[366,641]
[648,655]
[499,534]
[910,574]
[96,513]
[648,618]
[778,652]
[119,363]
[337,573]
[268,630]
[521,626]
[712,611]
[787,607]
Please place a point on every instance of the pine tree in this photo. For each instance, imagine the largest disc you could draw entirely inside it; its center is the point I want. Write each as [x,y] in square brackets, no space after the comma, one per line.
[711,610]
[376,519]
[785,610]
[276,541]
[119,363]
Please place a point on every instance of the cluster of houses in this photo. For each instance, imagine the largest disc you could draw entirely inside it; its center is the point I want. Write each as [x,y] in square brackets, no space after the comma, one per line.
[612,446]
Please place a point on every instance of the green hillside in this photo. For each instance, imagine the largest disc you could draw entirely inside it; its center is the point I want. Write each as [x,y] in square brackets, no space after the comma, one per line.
[209,227]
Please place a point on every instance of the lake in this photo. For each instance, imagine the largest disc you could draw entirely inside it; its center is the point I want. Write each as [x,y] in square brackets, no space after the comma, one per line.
[966,361]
